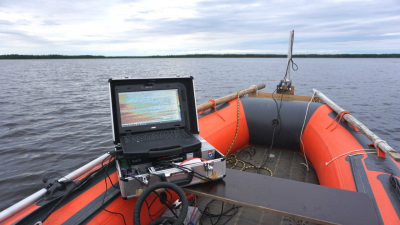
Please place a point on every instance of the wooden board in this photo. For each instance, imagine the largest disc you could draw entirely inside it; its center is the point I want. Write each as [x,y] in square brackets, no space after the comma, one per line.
[285,97]
[299,200]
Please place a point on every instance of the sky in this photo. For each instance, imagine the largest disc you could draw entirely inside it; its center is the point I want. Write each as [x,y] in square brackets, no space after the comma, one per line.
[173,27]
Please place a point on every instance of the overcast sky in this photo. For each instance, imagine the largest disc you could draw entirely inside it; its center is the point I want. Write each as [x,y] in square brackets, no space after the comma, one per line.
[162,27]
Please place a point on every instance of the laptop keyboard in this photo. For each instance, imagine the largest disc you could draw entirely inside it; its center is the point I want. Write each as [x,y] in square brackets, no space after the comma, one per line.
[157,135]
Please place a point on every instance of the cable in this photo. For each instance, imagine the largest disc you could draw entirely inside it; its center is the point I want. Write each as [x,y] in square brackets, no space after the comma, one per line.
[275,123]
[166,200]
[105,193]
[327,163]
[85,181]
[58,203]
[149,206]
[234,207]
[77,186]
[152,189]
[278,120]
[233,159]
[279,111]
[46,178]
[194,209]
[236,210]
[220,215]
[223,213]
[301,134]
[112,155]
[191,172]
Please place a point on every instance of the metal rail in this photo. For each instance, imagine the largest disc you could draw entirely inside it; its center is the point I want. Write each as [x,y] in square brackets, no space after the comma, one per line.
[363,129]
[24,203]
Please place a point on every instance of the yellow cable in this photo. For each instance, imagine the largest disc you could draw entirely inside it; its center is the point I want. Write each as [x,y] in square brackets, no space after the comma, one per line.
[237,126]
[232,158]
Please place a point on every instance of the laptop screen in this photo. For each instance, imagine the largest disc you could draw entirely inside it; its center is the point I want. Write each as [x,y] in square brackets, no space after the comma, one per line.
[149,107]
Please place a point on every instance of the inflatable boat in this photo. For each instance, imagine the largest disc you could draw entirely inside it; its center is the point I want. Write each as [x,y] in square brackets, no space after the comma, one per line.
[291,158]
[339,153]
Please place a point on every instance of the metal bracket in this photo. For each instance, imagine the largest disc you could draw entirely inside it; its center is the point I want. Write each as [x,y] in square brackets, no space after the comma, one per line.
[284,86]
[144,178]
[209,166]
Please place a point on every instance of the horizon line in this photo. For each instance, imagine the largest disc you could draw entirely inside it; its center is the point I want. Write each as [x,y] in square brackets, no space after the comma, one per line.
[198,55]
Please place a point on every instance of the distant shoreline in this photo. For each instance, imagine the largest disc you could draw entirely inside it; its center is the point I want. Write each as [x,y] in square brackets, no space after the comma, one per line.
[17,56]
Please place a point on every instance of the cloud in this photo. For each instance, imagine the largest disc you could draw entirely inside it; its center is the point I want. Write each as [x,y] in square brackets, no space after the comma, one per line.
[5,22]
[391,34]
[50,23]
[171,27]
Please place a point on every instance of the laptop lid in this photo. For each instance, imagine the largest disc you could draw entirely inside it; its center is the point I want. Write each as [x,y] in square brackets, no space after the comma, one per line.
[149,107]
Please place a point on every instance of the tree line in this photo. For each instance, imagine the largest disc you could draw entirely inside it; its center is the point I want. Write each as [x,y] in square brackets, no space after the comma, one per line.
[17,56]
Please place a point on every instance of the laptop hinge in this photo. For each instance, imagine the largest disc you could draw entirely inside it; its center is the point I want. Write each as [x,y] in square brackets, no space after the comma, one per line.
[177,127]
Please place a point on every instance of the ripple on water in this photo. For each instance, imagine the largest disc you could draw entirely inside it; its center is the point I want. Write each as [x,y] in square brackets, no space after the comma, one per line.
[55,117]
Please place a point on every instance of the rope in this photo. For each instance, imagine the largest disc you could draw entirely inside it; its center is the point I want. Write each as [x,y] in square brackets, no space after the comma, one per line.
[340,115]
[301,134]
[237,125]
[377,142]
[255,86]
[213,107]
[233,160]
[327,163]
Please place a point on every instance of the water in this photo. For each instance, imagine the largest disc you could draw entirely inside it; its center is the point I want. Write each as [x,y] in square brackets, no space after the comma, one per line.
[55,116]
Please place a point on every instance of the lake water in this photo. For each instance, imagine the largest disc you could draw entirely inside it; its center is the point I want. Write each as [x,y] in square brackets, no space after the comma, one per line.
[55,115]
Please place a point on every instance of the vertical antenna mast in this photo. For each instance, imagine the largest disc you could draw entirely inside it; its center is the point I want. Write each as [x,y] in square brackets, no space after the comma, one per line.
[286,84]
[289,58]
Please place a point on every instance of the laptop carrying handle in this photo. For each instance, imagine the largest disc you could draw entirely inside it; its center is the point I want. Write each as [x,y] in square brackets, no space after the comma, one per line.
[180,182]
[165,152]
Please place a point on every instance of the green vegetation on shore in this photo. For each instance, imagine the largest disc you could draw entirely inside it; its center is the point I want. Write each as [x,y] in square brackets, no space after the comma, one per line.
[17,56]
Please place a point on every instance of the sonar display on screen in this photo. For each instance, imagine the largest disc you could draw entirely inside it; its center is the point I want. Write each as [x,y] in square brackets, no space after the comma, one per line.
[149,107]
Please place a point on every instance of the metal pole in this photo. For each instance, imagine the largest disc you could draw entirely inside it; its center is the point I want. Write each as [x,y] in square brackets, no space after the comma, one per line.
[289,57]
[363,129]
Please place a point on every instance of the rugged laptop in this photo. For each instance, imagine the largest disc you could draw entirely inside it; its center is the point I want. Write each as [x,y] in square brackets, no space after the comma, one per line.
[154,118]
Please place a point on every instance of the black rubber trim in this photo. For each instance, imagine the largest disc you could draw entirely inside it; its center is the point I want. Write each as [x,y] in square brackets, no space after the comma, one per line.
[362,182]
[390,191]
[384,165]
[94,207]
[41,212]
[260,112]
[372,163]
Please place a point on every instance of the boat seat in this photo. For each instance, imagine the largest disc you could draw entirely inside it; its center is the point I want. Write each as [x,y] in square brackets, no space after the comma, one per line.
[310,202]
